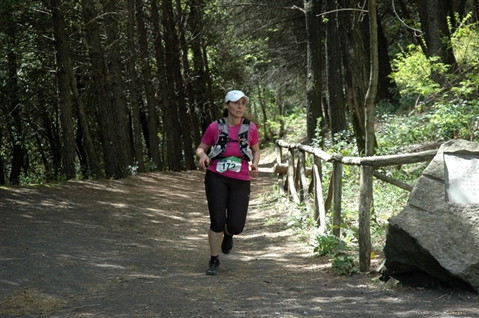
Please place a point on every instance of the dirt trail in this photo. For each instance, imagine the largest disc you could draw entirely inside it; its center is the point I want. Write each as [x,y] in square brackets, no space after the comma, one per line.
[137,247]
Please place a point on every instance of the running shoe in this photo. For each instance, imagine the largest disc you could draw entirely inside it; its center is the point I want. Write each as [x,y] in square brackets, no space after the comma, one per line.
[213,267]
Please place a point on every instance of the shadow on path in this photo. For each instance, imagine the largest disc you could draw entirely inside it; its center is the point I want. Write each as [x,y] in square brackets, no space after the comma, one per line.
[137,247]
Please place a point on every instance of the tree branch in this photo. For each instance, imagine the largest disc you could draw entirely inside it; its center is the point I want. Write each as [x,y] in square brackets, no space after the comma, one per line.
[417,32]
[344,9]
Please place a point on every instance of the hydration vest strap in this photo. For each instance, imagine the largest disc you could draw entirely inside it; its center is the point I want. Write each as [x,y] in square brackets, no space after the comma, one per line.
[223,139]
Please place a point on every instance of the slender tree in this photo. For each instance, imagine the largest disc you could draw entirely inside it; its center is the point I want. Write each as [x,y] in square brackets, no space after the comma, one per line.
[63,69]
[10,96]
[115,166]
[84,136]
[116,82]
[189,84]
[185,92]
[366,190]
[337,112]
[354,38]
[172,121]
[312,10]
[385,85]
[201,80]
[151,102]
[133,88]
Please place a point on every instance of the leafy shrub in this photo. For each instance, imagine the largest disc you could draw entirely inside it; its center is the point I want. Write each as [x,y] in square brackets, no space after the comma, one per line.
[447,121]
[329,245]
[344,265]
[412,72]
[465,41]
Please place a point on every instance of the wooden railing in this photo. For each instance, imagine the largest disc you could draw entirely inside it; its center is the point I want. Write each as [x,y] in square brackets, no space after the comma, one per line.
[299,188]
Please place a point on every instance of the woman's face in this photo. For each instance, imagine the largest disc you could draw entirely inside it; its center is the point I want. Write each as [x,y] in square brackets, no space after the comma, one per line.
[237,108]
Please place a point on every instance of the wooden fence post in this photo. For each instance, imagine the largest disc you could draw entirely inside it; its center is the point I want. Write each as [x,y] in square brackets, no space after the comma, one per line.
[279,160]
[365,199]
[319,210]
[291,186]
[337,194]
[303,182]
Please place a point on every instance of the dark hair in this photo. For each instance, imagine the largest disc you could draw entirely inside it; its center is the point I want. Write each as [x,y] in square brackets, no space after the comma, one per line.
[225,112]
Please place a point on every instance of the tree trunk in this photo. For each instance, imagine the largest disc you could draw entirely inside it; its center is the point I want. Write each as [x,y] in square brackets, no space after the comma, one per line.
[63,65]
[49,126]
[188,119]
[133,89]
[414,37]
[385,85]
[335,82]
[172,121]
[2,163]
[190,89]
[313,84]
[11,96]
[66,76]
[195,26]
[281,107]
[262,102]
[93,164]
[366,188]
[433,17]
[163,90]
[354,39]
[213,109]
[476,9]
[115,83]
[152,118]
[114,164]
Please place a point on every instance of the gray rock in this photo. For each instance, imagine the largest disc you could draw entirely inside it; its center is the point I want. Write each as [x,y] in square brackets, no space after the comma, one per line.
[432,238]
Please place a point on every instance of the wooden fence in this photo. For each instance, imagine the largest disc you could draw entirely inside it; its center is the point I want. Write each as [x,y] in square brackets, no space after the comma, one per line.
[299,188]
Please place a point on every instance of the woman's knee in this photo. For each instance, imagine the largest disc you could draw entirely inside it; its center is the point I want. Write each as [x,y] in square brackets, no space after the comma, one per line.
[235,229]
[216,227]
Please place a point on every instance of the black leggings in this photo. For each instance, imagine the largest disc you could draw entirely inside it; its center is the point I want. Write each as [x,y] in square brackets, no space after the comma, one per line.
[228,201]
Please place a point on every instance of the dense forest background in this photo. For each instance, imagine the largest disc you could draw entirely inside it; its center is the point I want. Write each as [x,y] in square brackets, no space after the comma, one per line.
[103,88]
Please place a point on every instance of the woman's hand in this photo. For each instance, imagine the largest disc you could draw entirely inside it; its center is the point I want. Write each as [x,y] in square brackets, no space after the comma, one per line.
[254,171]
[254,164]
[204,161]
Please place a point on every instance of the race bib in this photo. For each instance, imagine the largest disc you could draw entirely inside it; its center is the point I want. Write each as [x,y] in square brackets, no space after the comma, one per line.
[230,163]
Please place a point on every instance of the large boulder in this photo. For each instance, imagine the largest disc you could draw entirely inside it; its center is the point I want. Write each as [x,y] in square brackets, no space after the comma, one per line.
[435,239]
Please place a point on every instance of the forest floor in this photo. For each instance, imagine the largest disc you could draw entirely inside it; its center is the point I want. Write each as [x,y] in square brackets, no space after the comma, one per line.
[137,247]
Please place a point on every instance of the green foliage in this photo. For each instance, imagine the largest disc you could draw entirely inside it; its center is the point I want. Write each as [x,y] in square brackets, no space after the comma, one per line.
[329,245]
[132,170]
[465,41]
[447,121]
[332,246]
[318,138]
[412,72]
[395,133]
[344,265]
[294,124]
[432,83]
[343,143]
[300,220]
[439,122]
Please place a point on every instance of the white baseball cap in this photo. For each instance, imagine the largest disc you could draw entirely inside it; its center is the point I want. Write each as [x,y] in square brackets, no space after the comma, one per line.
[234,96]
